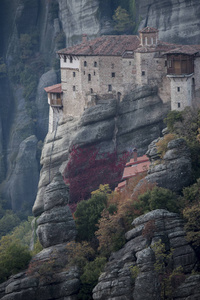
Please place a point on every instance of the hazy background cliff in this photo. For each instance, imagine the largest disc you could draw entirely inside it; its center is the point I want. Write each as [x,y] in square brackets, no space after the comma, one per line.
[31,31]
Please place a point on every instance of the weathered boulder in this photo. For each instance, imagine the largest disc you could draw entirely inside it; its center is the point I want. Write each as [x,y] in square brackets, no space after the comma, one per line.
[174,170]
[117,282]
[46,278]
[56,225]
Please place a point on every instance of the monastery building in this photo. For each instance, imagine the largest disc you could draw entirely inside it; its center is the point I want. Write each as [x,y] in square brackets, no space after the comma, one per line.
[112,65]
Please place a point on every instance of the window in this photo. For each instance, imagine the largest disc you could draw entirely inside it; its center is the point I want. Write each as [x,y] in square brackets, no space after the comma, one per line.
[85,63]
[89,77]
[143,73]
[169,64]
[95,64]
[113,74]
[71,59]
[178,89]
[165,63]
[179,105]
[94,73]
[129,63]
[74,88]
[74,74]
[91,91]
[84,73]
[65,58]
[109,87]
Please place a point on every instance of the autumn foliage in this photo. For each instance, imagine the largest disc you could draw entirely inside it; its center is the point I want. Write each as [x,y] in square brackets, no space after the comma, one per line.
[88,168]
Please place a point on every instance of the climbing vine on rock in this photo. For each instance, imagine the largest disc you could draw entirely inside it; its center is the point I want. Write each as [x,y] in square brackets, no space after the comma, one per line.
[88,168]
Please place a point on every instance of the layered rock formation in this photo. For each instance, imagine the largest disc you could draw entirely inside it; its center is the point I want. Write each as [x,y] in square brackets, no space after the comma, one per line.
[173,171]
[47,276]
[117,282]
[110,126]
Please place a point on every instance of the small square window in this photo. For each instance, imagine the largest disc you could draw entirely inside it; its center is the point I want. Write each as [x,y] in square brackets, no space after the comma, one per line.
[179,105]
[143,73]
[113,74]
[74,74]
[74,88]
[109,87]
[178,89]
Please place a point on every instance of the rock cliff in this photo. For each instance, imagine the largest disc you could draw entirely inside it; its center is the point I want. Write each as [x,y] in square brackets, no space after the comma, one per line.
[110,126]
[57,24]
[117,281]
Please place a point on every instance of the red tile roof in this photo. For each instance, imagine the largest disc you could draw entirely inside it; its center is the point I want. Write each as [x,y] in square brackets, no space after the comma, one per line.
[107,45]
[148,29]
[139,160]
[56,88]
[135,169]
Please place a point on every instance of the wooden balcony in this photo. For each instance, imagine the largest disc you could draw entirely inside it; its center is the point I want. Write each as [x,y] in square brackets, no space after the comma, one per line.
[56,102]
[180,65]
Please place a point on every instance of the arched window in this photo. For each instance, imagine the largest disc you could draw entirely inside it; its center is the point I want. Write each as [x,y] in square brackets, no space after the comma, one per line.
[85,63]
[95,64]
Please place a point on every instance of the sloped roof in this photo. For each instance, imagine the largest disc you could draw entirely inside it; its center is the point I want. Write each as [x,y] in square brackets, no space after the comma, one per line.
[135,169]
[148,29]
[56,88]
[185,49]
[106,45]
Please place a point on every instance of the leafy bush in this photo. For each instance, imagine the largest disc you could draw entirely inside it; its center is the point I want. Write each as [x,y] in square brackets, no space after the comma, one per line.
[114,223]
[89,212]
[14,257]
[163,143]
[8,222]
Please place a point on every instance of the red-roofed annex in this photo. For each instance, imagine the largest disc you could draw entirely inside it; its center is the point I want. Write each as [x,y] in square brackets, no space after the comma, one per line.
[110,66]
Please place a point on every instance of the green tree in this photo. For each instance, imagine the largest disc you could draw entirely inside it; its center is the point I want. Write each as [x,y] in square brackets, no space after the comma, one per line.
[159,198]
[122,20]
[8,222]
[89,212]
[14,257]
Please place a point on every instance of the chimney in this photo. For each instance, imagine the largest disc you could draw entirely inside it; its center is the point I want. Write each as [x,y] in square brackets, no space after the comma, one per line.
[135,154]
[84,38]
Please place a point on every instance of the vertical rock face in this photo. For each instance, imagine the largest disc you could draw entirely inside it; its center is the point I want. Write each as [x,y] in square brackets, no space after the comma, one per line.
[117,282]
[108,125]
[22,185]
[172,18]
[56,225]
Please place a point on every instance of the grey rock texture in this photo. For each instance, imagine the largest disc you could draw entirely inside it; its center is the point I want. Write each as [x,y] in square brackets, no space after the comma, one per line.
[173,18]
[54,282]
[173,171]
[21,186]
[56,225]
[116,281]
[110,126]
